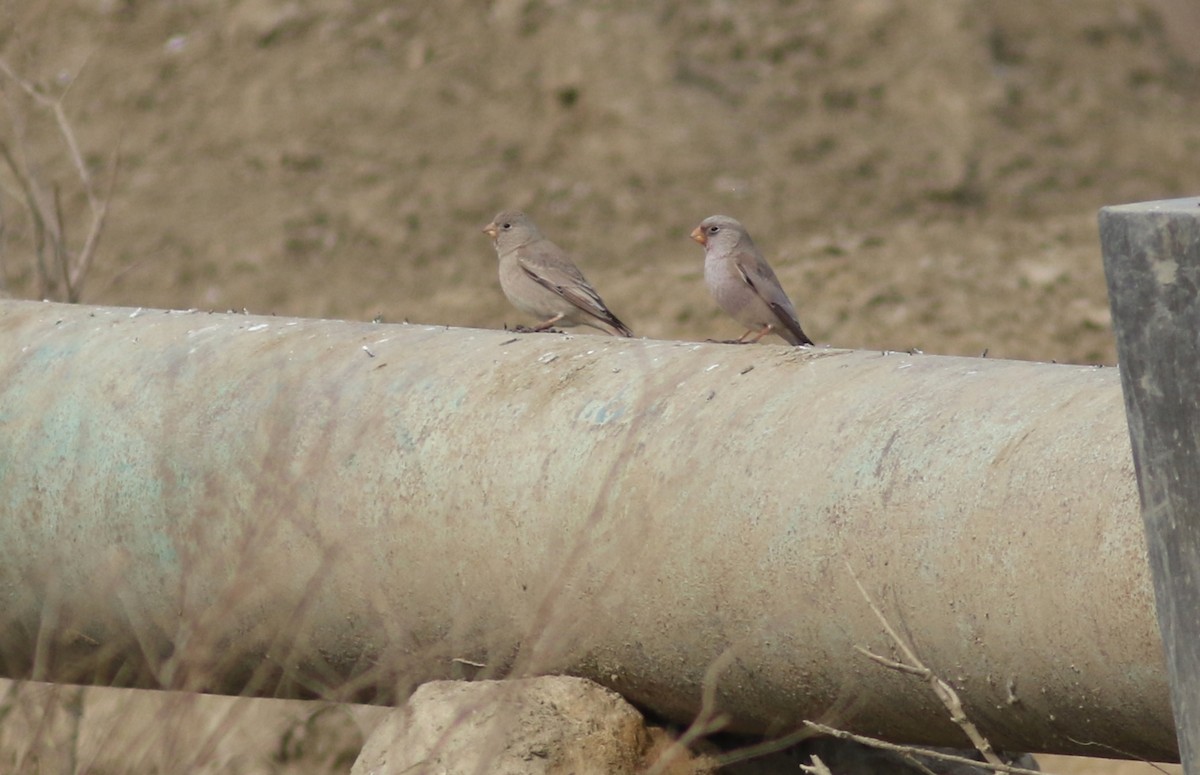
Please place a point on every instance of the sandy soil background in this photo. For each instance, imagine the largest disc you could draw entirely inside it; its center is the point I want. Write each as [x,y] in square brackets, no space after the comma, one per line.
[921,174]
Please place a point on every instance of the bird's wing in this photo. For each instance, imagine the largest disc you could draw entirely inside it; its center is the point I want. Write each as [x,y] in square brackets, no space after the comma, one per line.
[547,265]
[757,273]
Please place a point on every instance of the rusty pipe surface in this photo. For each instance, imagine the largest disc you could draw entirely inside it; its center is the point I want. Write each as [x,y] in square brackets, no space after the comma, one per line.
[273,506]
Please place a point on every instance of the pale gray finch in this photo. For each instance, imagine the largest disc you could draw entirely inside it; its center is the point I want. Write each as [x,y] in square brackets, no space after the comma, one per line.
[541,280]
[742,281]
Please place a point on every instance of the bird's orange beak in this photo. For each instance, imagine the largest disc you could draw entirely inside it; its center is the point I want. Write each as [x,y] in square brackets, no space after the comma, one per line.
[698,235]
[491,230]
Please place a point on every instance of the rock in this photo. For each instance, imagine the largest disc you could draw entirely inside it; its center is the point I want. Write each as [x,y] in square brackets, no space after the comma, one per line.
[547,725]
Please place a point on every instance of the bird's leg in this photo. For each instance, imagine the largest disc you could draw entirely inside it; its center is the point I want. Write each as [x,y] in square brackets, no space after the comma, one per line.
[742,339]
[758,337]
[549,323]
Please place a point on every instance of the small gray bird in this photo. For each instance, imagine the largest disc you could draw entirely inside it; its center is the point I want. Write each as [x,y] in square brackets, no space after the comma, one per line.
[742,282]
[540,279]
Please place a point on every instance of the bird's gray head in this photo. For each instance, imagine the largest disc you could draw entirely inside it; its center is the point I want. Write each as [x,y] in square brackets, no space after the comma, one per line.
[511,229]
[721,233]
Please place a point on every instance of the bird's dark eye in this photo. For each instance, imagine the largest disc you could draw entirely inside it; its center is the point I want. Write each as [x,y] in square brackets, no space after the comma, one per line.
[506,226]
[713,229]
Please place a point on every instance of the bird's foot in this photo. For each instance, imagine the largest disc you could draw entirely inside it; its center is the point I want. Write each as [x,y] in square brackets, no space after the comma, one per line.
[532,330]
[728,341]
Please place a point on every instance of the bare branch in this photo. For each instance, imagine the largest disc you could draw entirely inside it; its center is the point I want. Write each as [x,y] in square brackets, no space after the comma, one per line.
[36,216]
[917,763]
[48,220]
[1118,752]
[944,691]
[884,745]
[891,663]
[61,255]
[88,252]
[816,768]
[64,126]
[707,721]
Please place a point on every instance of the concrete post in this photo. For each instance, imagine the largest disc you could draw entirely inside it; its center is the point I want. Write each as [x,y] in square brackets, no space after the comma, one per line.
[273,506]
[1152,260]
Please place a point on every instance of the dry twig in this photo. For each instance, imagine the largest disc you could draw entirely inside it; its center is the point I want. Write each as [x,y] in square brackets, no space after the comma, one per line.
[914,666]
[908,750]
[707,721]
[912,759]
[1118,752]
[816,768]
[46,211]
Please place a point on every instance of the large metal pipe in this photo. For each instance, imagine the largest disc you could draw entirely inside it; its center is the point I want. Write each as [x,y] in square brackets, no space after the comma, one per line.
[270,506]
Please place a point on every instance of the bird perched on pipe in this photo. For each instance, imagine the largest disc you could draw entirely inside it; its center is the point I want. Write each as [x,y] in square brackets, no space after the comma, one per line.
[542,280]
[742,282]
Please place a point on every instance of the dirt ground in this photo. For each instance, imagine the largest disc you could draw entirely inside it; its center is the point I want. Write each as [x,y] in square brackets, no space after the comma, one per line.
[920,174]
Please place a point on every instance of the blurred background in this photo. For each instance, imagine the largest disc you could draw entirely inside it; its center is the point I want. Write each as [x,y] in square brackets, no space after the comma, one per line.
[921,174]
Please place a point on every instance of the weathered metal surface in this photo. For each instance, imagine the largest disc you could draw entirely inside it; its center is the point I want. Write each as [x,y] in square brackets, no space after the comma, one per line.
[1152,260]
[270,506]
